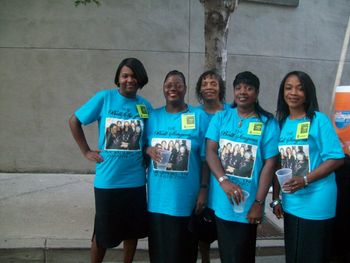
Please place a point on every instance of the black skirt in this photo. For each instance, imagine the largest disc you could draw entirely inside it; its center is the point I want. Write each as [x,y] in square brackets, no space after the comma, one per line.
[170,240]
[121,214]
[236,241]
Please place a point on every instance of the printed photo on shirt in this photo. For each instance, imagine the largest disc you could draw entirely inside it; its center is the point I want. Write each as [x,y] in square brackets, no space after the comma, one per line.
[123,135]
[237,158]
[175,154]
[295,157]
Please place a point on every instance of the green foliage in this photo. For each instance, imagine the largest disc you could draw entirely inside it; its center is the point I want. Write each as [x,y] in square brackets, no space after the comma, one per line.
[85,2]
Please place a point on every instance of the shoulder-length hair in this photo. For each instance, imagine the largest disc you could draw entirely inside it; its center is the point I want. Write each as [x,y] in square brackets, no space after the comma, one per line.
[137,67]
[222,88]
[310,105]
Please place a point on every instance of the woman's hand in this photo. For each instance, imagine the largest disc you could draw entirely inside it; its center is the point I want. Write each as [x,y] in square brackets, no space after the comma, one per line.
[201,200]
[154,153]
[233,192]
[94,156]
[294,184]
[278,211]
[255,213]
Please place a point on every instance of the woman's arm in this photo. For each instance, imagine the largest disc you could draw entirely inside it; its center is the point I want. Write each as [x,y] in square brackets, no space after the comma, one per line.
[299,182]
[276,201]
[255,213]
[79,136]
[231,190]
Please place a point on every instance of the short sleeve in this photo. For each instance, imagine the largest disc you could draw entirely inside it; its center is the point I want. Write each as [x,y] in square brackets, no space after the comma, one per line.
[91,110]
[327,140]
[270,139]
[213,131]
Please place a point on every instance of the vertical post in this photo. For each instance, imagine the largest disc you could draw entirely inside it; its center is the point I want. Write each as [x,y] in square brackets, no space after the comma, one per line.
[341,63]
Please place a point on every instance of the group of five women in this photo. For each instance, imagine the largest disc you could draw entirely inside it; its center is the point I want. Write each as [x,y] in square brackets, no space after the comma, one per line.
[204,135]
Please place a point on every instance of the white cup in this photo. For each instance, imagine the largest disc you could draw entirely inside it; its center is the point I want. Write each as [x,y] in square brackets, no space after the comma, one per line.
[239,208]
[283,175]
[162,164]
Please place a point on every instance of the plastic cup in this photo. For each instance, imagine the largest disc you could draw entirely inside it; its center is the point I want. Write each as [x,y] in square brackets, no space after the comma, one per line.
[165,155]
[283,175]
[239,208]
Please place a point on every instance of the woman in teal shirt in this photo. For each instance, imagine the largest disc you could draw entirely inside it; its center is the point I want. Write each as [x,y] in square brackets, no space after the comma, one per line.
[309,205]
[255,131]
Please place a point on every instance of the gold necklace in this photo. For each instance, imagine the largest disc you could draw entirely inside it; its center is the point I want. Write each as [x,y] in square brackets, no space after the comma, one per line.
[241,119]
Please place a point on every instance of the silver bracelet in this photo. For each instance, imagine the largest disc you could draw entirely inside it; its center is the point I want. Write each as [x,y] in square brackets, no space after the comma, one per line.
[275,203]
[306,182]
[222,178]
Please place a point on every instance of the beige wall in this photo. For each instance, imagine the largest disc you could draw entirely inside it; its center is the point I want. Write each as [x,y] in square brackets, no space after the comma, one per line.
[54,56]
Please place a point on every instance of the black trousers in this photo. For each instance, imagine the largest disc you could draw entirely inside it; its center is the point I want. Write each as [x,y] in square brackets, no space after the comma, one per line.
[307,241]
[236,241]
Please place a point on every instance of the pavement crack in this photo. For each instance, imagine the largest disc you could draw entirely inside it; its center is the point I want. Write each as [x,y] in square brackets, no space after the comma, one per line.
[39,190]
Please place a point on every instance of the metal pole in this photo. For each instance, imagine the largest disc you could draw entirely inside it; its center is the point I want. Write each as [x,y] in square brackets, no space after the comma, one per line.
[341,63]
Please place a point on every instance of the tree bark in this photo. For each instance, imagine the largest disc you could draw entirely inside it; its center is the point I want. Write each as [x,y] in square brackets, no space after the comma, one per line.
[217,18]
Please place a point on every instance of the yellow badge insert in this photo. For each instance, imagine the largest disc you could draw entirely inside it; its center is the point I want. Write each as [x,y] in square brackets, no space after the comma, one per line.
[255,128]
[142,110]
[303,131]
[188,121]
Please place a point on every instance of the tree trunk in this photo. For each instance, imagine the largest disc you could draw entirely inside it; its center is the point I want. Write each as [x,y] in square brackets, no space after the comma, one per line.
[217,18]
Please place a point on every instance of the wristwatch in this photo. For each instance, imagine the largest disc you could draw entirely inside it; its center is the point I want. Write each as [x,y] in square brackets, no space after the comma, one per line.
[275,202]
[222,178]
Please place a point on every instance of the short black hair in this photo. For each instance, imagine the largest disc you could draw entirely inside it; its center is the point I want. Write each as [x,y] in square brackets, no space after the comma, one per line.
[310,105]
[248,78]
[137,67]
[176,73]
[222,87]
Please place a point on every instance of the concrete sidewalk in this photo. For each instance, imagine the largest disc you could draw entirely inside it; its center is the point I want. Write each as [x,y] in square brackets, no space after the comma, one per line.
[49,218]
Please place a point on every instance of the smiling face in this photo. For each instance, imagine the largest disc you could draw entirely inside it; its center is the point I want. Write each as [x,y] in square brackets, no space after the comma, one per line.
[245,95]
[127,82]
[294,94]
[174,89]
[210,88]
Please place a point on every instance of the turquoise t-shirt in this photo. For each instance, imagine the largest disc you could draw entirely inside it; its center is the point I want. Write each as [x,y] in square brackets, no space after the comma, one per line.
[211,115]
[211,178]
[121,138]
[173,183]
[305,147]
[242,149]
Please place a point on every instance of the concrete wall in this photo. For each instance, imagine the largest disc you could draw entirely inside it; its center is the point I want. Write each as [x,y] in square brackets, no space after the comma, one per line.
[54,56]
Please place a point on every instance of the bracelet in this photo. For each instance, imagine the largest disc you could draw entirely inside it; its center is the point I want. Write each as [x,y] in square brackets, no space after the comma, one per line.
[275,203]
[222,178]
[259,202]
[204,186]
[306,182]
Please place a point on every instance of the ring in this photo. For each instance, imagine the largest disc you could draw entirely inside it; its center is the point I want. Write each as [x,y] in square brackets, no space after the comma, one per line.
[258,221]
[235,192]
